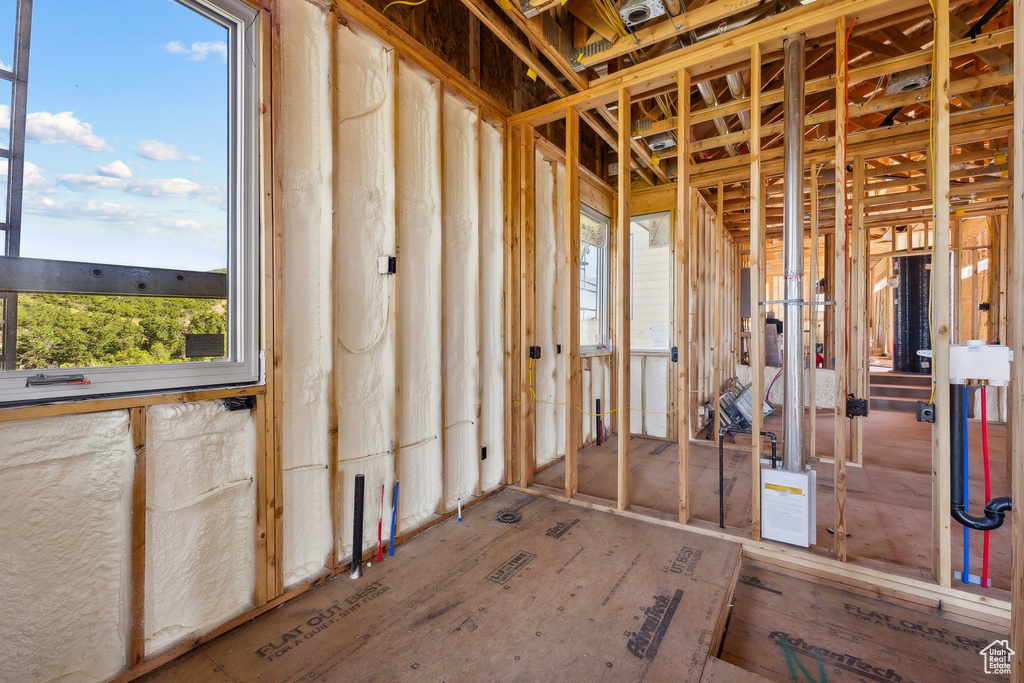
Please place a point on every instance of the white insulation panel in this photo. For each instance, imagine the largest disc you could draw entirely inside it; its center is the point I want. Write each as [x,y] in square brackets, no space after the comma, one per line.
[492,348]
[461,265]
[304,156]
[365,221]
[548,384]
[66,503]
[201,519]
[419,328]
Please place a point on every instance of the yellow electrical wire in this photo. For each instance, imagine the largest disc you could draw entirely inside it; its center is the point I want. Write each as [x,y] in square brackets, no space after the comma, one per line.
[402,2]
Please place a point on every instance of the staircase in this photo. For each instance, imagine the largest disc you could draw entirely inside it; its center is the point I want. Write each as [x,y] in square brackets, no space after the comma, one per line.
[896,391]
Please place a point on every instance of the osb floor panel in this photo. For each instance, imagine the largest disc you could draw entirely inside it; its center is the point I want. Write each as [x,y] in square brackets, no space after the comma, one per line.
[888,507]
[567,593]
[787,629]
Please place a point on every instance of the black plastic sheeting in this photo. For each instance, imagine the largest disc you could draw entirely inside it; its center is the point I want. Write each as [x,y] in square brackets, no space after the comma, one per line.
[910,313]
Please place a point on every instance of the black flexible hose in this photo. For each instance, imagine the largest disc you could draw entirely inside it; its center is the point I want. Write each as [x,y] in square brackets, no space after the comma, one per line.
[995,509]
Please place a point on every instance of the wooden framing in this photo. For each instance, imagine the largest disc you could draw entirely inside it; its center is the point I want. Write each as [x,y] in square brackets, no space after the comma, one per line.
[527,301]
[1015,330]
[858,306]
[333,426]
[684,200]
[520,305]
[571,276]
[137,591]
[621,304]
[941,562]
[757,312]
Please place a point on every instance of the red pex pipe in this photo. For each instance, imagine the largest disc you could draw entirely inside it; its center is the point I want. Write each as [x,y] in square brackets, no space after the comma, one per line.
[988,480]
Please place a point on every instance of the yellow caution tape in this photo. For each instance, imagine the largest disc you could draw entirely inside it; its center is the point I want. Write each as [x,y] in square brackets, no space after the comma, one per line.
[655,158]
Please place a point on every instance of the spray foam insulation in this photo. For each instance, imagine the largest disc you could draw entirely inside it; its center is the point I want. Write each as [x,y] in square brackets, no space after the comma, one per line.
[596,380]
[201,519]
[785,628]
[66,485]
[548,383]
[303,155]
[492,347]
[365,221]
[594,596]
[825,398]
[461,301]
[419,216]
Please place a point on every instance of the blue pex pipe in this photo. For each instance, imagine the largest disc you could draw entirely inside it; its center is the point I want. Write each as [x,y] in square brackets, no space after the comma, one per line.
[394,518]
[967,491]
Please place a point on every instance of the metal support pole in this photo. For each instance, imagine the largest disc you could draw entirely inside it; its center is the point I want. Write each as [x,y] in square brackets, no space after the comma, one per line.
[793,256]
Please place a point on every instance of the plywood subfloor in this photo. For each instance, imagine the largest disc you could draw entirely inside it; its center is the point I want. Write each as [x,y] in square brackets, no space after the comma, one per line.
[567,593]
[787,629]
[888,505]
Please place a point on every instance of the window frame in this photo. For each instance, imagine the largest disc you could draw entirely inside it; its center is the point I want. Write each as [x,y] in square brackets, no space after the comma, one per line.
[603,302]
[244,360]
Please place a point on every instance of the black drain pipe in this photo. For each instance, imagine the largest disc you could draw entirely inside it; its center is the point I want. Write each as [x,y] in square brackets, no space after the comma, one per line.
[995,509]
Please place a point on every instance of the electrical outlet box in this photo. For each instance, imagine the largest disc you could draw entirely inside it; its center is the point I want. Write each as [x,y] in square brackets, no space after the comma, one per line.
[856,407]
[925,411]
[675,354]
[483,452]
[558,349]
[535,352]
[387,265]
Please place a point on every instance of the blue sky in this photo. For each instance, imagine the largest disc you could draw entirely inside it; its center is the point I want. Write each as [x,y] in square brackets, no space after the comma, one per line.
[126,158]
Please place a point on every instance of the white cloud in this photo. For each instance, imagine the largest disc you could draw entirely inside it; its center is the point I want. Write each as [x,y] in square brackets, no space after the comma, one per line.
[147,187]
[52,129]
[33,178]
[5,66]
[115,169]
[197,52]
[161,151]
[89,209]
[63,127]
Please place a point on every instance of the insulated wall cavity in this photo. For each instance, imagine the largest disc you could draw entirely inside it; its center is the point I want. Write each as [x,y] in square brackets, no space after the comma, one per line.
[547,381]
[419,303]
[364,200]
[655,395]
[461,265]
[492,348]
[201,519]
[64,547]
[304,157]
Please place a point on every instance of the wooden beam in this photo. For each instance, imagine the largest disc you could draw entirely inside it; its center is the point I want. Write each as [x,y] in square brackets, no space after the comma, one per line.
[941,562]
[333,377]
[670,27]
[502,32]
[612,140]
[534,30]
[839,295]
[527,302]
[757,319]
[1015,339]
[571,277]
[682,306]
[137,611]
[510,312]
[706,55]
[273,295]
[643,153]
[622,306]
